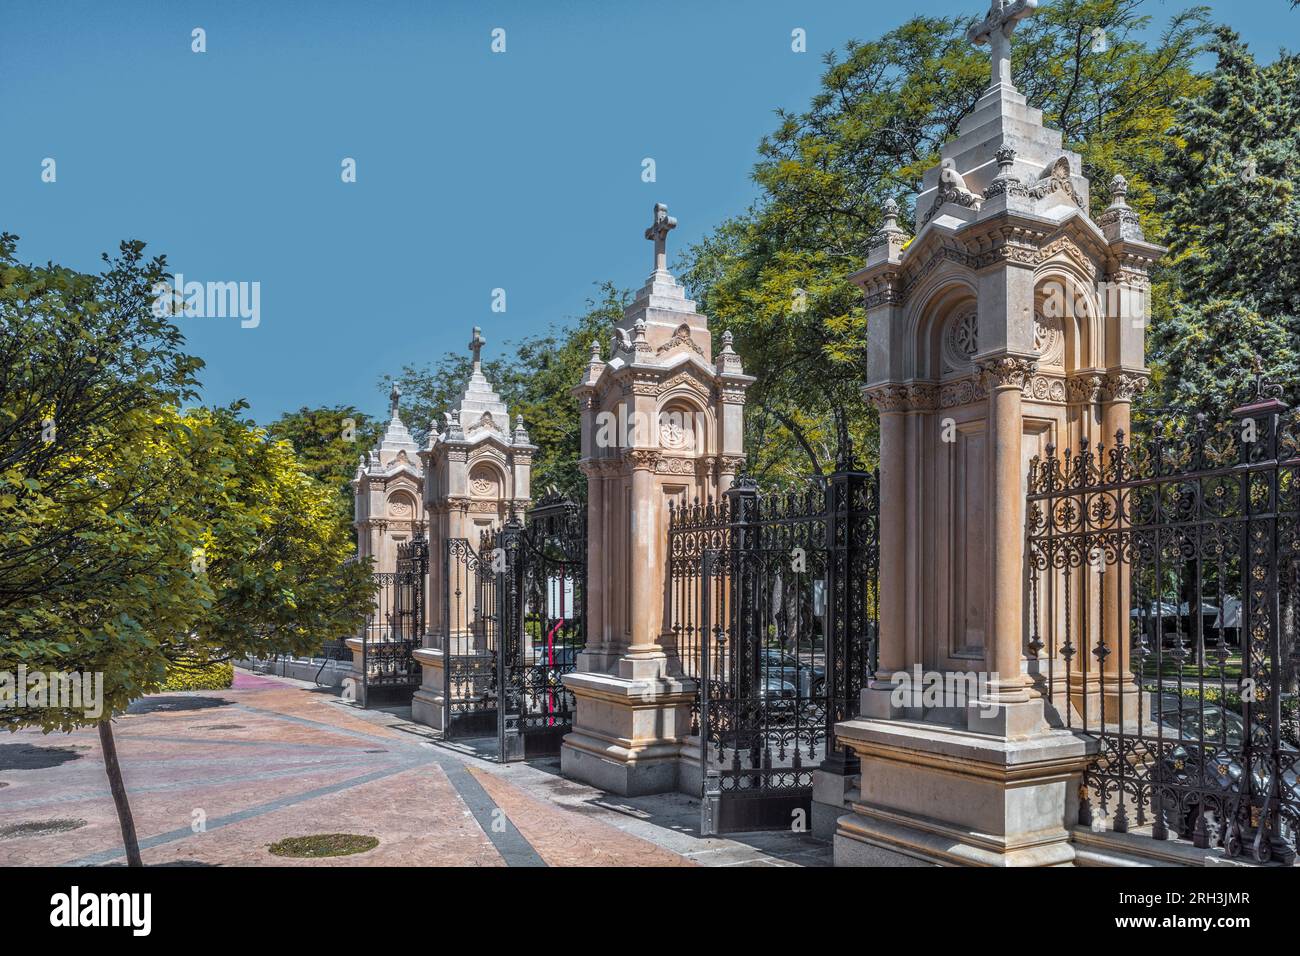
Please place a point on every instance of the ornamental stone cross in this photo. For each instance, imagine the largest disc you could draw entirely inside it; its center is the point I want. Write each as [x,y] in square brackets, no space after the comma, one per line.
[658,231]
[996,30]
[476,344]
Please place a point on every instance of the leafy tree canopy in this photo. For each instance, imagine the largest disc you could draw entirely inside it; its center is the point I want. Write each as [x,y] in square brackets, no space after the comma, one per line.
[328,442]
[776,275]
[1229,195]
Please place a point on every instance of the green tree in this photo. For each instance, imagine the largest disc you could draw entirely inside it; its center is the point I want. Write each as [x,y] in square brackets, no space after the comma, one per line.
[132,535]
[1229,193]
[328,442]
[775,276]
[534,380]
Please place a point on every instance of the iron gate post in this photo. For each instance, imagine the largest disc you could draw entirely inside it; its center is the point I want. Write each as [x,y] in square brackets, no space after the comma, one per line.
[710,792]
[846,622]
[1267,409]
[740,684]
[510,644]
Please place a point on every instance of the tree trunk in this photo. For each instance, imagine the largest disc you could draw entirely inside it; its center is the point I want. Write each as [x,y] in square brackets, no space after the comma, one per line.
[114,771]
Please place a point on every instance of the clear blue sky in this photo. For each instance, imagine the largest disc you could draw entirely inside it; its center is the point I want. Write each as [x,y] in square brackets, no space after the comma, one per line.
[475,171]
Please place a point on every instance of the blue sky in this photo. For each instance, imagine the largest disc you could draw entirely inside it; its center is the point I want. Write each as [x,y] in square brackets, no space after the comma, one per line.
[475,170]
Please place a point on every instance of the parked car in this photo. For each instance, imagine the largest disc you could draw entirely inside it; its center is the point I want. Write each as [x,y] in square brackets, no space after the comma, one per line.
[1213,760]
[809,678]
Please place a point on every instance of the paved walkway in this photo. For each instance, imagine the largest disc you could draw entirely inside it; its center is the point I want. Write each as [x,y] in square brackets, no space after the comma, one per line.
[215,777]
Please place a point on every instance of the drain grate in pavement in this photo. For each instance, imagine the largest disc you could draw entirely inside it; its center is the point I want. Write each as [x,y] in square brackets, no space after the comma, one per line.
[222,727]
[30,828]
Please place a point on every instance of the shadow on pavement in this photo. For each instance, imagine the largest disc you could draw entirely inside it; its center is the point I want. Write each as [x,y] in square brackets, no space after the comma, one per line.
[28,757]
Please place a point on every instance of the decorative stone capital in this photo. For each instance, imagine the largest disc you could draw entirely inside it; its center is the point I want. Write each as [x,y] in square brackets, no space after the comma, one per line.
[922,397]
[1084,389]
[1123,386]
[887,398]
[643,459]
[1008,371]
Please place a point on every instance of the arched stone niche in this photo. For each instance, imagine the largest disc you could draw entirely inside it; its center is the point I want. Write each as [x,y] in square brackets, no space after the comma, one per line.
[982,354]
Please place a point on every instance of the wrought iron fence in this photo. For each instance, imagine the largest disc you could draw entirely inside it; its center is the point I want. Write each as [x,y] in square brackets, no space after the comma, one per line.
[773,604]
[1164,599]
[471,629]
[395,627]
[516,620]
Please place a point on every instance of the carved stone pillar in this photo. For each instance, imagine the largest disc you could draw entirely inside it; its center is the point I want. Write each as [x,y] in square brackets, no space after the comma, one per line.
[478,468]
[1004,378]
[662,420]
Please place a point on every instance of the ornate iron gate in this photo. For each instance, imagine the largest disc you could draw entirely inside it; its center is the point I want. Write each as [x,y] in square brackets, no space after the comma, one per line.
[774,606]
[544,607]
[1164,602]
[396,625]
[471,636]
[516,622]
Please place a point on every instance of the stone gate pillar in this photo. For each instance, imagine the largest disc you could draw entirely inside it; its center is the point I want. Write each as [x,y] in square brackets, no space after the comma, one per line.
[478,469]
[388,505]
[662,420]
[1011,322]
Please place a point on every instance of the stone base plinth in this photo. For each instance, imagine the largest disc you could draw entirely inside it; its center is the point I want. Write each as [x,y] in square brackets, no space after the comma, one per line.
[952,797]
[355,683]
[428,703]
[627,733]
[833,794]
[1138,848]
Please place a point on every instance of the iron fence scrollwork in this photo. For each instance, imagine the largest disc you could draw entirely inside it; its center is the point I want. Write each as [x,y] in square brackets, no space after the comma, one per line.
[773,605]
[1164,599]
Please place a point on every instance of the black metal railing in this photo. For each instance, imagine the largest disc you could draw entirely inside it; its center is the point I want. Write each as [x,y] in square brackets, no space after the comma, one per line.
[516,622]
[1163,609]
[395,627]
[773,604]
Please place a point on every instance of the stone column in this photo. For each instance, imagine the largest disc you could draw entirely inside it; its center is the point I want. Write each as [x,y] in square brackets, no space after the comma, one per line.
[631,721]
[1119,691]
[597,626]
[643,657]
[892,606]
[1005,378]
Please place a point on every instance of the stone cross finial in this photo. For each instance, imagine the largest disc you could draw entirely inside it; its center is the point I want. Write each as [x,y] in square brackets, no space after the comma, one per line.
[394,397]
[996,29]
[476,344]
[658,231]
